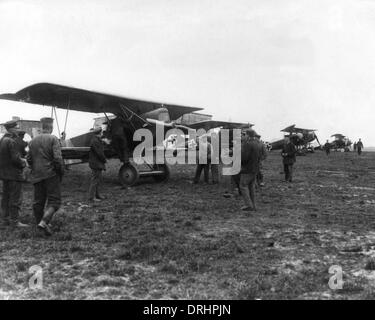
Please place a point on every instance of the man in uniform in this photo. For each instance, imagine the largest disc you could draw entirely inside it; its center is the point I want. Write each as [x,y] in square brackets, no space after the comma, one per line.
[359,146]
[289,158]
[203,148]
[327,148]
[47,169]
[97,162]
[118,133]
[250,158]
[214,172]
[235,179]
[214,167]
[263,156]
[11,173]
[22,144]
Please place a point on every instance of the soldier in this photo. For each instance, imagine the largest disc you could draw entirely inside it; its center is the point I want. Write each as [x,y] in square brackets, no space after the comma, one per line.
[327,148]
[203,148]
[263,156]
[214,167]
[97,162]
[215,173]
[47,169]
[359,146]
[11,173]
[118,132]
[289,158]
[22,144]
[250,158]
[235,179]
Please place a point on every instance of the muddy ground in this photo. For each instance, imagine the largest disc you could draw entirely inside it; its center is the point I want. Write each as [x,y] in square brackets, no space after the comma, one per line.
[176,240]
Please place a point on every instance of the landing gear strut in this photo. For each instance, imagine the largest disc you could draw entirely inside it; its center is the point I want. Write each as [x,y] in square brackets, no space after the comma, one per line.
[129,174]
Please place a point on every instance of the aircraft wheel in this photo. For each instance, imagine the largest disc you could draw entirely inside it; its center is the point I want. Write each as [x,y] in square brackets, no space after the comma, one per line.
[128,175]
[165,176]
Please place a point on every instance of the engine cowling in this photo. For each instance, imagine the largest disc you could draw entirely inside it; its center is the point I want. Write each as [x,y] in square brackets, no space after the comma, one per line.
[311,136]
[160,114]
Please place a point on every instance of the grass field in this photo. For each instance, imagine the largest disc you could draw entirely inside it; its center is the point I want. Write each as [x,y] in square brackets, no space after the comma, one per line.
[176,240]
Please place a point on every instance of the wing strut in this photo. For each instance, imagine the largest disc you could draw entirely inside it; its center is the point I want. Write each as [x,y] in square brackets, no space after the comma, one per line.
[66,116]
[125,111]
[57,121]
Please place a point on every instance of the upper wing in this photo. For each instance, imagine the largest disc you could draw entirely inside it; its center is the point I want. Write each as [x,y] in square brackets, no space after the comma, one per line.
[302,130]
[293,128]
[289,129]
[210,124]
[89,101]
[338,136]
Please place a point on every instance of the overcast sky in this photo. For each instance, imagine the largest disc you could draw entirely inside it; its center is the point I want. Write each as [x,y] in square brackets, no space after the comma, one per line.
[268,62]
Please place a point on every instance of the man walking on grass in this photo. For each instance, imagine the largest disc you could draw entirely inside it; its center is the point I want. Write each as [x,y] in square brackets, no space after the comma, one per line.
[250,159]
[97,162]
[47,169]
[288,153]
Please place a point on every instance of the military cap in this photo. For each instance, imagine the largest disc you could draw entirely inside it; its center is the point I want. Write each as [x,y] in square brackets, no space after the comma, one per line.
[10,124]
[46,120]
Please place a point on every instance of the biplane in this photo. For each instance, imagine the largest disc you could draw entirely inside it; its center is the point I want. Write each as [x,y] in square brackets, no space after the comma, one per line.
[123,117]
[340,142]
[300,137]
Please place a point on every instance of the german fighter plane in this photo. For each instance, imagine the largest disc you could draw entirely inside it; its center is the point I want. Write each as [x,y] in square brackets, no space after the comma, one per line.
[340,142]
[301,138]
[123,117]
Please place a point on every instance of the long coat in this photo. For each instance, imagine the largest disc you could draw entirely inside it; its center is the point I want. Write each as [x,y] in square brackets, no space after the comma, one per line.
[45,158]
[250,156]
[97,158]
[290,151]
[11,163]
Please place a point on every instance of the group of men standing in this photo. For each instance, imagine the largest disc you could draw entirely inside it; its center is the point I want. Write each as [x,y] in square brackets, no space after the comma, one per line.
[44,158]
[47,168]
[253,153]
[204,146]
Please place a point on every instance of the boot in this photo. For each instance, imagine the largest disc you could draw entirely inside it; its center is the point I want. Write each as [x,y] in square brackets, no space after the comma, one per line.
[43,226]
[20,225]
[48,215]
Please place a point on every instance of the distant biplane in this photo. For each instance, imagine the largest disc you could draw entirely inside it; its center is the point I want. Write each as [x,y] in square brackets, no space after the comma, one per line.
[340,142]
[129,116]
[302,138]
